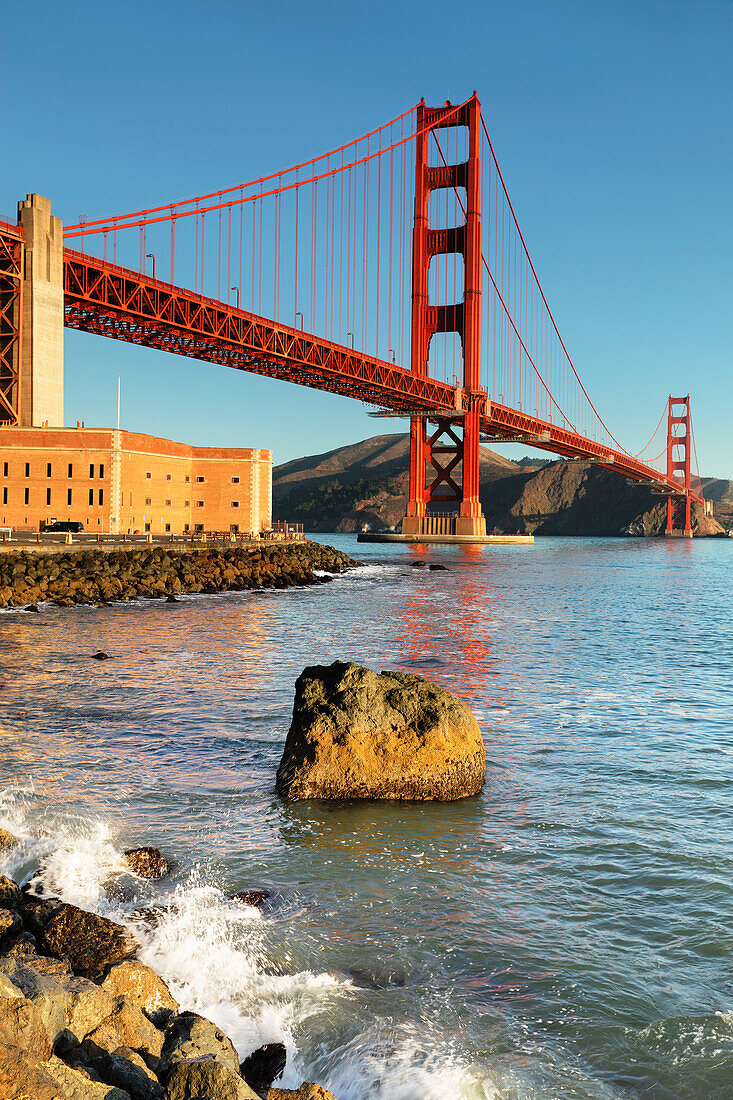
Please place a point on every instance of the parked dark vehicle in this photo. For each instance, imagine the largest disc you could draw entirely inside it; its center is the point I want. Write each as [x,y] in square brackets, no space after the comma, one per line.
[72,525]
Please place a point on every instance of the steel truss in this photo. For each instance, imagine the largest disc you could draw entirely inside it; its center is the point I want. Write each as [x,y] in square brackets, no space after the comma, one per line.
[125,305]
[11,311]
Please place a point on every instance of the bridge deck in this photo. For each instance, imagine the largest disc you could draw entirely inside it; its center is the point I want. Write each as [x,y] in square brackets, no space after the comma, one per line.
[113,301]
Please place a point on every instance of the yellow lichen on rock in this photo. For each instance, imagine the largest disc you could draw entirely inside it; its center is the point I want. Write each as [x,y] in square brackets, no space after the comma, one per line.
[356,733]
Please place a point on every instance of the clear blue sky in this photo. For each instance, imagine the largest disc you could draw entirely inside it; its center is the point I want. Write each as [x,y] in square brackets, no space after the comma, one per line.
[611,119]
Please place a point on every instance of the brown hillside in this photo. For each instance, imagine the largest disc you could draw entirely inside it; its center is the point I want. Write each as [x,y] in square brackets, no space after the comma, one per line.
[378,457]
[562,498]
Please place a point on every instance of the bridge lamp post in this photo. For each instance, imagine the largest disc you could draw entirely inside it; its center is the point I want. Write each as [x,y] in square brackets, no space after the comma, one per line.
[237,290]
[297,315]
[391,352]
[150,256]
[352,339]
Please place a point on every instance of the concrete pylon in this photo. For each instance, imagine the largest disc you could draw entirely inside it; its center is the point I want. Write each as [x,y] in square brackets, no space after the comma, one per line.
[42,346]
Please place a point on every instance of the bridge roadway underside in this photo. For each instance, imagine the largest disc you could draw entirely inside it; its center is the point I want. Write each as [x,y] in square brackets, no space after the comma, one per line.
[102,298]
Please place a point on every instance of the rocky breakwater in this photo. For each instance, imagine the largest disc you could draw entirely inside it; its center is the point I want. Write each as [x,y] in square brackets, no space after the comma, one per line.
[82,1019]
[100,576]
[356,733]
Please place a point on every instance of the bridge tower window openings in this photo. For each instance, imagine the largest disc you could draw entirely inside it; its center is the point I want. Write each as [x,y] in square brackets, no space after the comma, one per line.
[679,519]
[447,159]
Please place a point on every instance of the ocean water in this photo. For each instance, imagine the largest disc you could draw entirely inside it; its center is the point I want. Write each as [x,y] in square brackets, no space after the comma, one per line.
[566,934]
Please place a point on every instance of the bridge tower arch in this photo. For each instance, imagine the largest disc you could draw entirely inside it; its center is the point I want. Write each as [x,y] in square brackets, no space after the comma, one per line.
[456,440]
[679,521]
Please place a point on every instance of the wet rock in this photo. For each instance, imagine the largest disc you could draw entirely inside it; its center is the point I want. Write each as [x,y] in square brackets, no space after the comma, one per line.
[32,607]
[78,1085]
[88,1005]
[41,964]
[10,924]
[100,655]
[132,1029]
[34,883]
[21,1026]
[7,840]
[36,912]
[171,599]
[127,1070]
[361,734]
[22,945]
[141,987]
[435,567]
[256,898]
[264,1066]
[9,893]
[419,564]
[199,1078]
[193,1036]
[148,863]
[88,942]
[307,1091]
[7,989]
[24,1076]
[49,997]
[119,891]
[150,916]
[374,979]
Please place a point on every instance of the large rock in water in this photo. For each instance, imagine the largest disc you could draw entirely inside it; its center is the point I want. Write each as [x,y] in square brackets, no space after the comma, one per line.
[362,734]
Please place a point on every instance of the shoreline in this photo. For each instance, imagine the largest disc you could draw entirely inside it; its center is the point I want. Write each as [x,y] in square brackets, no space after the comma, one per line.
[100,576]
[82,1015]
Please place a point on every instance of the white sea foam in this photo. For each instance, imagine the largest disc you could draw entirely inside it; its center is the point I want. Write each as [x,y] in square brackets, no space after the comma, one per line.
[211,951]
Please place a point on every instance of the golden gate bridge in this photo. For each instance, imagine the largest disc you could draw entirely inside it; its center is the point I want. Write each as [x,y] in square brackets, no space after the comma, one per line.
[393,270]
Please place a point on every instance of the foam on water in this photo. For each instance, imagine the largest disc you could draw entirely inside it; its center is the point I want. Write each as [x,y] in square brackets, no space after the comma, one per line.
[211,952]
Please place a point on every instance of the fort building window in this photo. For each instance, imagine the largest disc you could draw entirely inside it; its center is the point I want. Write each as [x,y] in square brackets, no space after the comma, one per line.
[235,504]
[167,526]
[48,496]
[148,500]
[147,528]
[91,469]
[148,475]
[5,469]
[199,480]
[186,527]
[169,477]
[27,496]
[71,470]
[188,479]
[199,527]
[48,469]
[101,469]
[27,471]
[91,496]
[235,481]
[167,504]
[199,503]
[68,496]
[5,495]
[187,504]
[234,528]
[101,496]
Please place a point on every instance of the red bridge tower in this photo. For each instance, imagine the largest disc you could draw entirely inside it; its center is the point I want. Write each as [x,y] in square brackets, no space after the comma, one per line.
[455,442]
[679,523]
